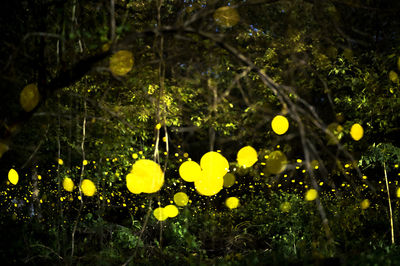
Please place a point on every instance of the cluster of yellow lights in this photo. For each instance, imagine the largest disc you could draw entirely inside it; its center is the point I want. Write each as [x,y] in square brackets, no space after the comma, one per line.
[121,62]
[146,176]
[280,124]
[168,211]
[29,97]
[208,177]
[247,156]
[226,16]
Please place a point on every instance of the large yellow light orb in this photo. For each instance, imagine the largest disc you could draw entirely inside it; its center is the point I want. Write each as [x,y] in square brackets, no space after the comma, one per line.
[214,163]
[209,184]
[88,187]
[247,156]
[160,214]
[280,124]
[357,132]
[232,202]
[181,199]
[226,16]
[171,211]
[13,176]
[68,184]
[276,162]
[190,171]
[29,97]
[146,176]
[311,195]
[121,62]
[229,180]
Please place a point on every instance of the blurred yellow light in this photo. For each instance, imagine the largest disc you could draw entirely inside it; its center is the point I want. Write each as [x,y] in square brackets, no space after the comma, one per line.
[121,62]
[181,199]
[357,132]
[232,202]
[68,184]
[190,171]
[13,176]
[247,156]
[280,124]
[88,187]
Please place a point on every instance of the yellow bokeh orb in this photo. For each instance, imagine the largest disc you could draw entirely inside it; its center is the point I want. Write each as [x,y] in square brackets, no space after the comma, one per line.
[398,192]
[171,211]
[13,176]
[311,194]
[209,184]
[232,202]
[68,184]
[226,16]
[357,132]
[214,163]
[190,171]
[121,62]
[280,124]
[160,214]
[365,204]
[29,97]
[181,199]
[393,76]
[276,162]
[88,187]
[229,180]
[285,206]
[146,176]
[247,156]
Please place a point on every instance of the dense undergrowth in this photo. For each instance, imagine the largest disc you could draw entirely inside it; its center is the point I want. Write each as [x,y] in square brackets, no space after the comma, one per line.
[269,228]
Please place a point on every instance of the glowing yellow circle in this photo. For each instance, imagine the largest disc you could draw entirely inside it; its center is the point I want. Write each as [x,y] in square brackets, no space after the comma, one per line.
[68,184]
[285,206]
[121,62]
[190,171]
[209,184]
[146,176]
[171,211]
[280,124]
[229,180]
[160,214]
[29,97]
[311,195]
[214,164]
[357,132]
[247,156]
[365,204]
[181,199]
[276,162]
[232,202]
[13,176]
[226,16]
[88,187]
